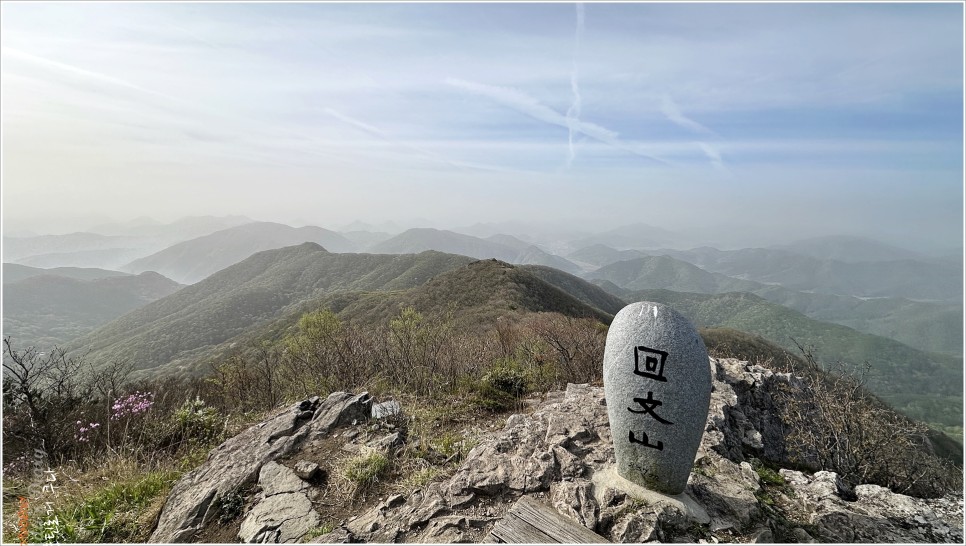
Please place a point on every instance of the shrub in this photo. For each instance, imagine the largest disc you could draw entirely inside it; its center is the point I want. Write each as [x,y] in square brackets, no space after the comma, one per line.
[837,425]
[508,376]
[194,423]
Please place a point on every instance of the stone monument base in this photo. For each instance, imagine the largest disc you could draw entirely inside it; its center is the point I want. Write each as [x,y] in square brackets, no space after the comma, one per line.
[608,477]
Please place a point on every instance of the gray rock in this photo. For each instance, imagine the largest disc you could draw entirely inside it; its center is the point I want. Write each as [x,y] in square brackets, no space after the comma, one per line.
[308,471]
[657,381]
[385,409]
[728,494]
[451,529]
[284,518]
[877,514]
[576,499]
[801,536]
[762,536]
[238,460]
[275,479]
[282,512]
[561,453]
[387,442]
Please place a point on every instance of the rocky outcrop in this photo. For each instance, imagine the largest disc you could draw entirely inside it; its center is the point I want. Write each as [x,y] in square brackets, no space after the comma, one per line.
[562,454]
[876,514]
[282,512]
[194,500]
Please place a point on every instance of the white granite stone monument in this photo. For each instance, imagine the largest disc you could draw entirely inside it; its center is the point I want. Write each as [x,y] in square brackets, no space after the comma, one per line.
[657,382]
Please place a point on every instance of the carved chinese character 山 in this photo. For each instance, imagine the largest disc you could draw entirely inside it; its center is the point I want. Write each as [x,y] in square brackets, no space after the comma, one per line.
[657,381]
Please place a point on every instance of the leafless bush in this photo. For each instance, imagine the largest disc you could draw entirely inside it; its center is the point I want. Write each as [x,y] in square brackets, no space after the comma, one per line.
[43,393]
[839,425]
[577,343]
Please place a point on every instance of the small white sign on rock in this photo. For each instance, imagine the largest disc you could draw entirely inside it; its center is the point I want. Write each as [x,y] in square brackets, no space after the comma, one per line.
[658,387]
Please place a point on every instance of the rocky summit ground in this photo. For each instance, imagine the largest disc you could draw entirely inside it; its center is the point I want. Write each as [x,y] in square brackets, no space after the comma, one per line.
[270,483]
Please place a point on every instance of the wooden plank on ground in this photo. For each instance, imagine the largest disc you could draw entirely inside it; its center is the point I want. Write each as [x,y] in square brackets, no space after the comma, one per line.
[532,522]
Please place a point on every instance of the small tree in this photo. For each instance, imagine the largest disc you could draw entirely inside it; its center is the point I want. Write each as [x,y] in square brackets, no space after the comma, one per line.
[45,391]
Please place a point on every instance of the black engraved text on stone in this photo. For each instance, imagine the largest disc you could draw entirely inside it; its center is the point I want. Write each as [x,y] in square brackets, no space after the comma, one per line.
[649,404]
[633,440]
[652,362]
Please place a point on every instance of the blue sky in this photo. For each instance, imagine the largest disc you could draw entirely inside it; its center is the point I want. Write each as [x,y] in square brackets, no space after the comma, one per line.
[800,118]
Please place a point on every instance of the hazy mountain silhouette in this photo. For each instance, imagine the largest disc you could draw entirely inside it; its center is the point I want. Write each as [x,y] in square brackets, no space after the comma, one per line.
[18,272]
[924,385]
[502,247]
[179,230]
[190,261]
[904,278]
[598,255]
[923,325]
[17,248]
[46,310]
[117,244]
[848,249]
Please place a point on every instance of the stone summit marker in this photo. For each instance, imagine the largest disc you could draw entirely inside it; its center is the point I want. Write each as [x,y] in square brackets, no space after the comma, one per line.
[657,382]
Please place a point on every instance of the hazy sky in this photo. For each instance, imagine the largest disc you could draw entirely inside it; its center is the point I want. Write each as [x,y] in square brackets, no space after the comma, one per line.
[810,118]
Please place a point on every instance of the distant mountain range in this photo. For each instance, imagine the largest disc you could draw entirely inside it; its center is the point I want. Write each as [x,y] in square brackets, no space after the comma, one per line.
[849,249]
[633,236]
[598,255]
[927,326]
[179,230]
[110,246]
[18,248]
[812,265]
[176,332]
[924,385]
[18,272]
[902,278]
[502,247]
[251,278]
[51,309]
[191,261]
[265,294]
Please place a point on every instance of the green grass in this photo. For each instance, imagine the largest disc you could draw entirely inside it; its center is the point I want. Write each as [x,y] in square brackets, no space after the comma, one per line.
[110,514]
[365,470]
[767,475]
[324,529]
[421,477]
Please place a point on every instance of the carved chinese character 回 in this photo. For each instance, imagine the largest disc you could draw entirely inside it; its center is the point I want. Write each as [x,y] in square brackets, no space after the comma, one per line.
[652,361]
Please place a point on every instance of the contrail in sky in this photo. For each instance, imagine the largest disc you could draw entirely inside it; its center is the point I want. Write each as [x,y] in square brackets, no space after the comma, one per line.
[670,109]
[573,113]
[525,104]
[713,155]
[77,71]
